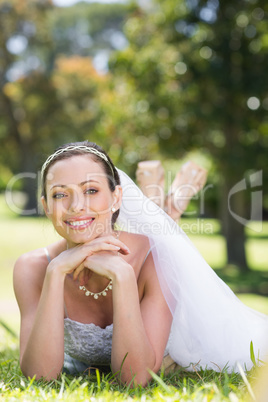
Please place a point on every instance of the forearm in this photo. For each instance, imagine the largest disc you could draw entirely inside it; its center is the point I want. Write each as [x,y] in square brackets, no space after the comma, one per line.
[44,352]
[130,342]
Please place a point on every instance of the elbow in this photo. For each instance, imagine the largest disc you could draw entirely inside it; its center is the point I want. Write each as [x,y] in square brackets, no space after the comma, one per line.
[40,373]
[133,379]
[142,379]
[136,372]
[44,367]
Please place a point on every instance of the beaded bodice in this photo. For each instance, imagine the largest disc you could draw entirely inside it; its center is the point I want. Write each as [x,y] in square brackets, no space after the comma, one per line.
[88,343]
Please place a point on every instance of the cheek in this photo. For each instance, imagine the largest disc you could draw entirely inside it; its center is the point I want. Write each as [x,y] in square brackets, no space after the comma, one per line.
[56,209]
[102,205]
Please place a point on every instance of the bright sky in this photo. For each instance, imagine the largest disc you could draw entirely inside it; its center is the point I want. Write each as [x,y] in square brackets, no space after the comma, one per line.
[66,3]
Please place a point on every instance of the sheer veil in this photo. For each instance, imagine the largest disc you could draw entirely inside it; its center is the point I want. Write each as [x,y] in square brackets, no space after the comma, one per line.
[211,327]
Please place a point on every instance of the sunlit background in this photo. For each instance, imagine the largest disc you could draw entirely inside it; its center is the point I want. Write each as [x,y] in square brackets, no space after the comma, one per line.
[170,80]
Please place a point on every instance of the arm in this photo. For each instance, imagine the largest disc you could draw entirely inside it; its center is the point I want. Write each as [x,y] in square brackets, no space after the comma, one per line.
[141,329]
[41,308]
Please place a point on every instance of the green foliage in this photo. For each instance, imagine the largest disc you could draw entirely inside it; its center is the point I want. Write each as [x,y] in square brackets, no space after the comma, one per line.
[47,98]
[252,355]
[22,27]
[84,29]
[199,71]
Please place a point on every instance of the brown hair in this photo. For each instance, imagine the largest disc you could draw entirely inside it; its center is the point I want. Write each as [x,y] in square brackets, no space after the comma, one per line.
[108,167]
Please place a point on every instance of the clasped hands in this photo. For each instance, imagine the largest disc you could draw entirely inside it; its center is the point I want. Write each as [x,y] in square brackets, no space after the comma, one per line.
[96,256]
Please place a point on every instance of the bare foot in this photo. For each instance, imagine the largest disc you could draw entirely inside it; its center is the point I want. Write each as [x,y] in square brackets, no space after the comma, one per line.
[151,179]
[189,180]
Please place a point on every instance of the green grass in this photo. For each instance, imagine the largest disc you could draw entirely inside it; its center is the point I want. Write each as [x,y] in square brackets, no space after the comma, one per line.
[181,386]
[22,234]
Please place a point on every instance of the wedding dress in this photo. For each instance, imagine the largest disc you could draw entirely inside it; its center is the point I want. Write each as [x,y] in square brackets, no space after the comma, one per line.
[211,327]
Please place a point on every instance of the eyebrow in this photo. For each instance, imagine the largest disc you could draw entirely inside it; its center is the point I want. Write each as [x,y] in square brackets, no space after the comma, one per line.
[80,184]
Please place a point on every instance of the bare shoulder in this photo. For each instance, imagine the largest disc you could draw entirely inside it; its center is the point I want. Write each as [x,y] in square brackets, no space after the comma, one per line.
[139,246]
[31,266]
[135,241]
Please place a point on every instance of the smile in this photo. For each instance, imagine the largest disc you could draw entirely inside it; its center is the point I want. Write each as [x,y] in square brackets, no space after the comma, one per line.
[79,224]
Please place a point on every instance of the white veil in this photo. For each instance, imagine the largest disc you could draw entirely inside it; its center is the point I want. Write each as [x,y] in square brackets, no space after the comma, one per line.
[211,328]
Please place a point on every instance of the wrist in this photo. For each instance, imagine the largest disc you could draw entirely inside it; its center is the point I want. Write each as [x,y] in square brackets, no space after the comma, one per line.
[55,271]
[123,274]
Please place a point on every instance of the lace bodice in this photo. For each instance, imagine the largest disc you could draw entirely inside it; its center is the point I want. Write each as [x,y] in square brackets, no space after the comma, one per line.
[88,343]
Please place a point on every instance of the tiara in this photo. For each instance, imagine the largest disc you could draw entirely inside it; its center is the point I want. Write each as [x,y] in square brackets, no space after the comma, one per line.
[90,150]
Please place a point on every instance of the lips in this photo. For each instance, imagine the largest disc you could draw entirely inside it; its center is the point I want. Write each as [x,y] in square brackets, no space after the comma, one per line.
[79,223]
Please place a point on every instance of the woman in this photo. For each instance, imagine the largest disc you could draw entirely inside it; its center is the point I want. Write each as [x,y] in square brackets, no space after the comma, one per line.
[123,296]
[70,281]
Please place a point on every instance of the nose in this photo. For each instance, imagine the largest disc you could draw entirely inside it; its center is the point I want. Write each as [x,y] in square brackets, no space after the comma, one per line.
[77,201]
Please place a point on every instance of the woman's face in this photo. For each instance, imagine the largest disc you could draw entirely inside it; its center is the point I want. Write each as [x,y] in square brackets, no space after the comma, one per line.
[79,199]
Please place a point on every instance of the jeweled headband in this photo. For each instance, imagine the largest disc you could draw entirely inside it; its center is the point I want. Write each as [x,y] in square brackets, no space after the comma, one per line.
[90,150]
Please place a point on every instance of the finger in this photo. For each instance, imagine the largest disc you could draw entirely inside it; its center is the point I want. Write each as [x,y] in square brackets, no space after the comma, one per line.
[77,271]
[123,249]
[83,277]
[86,276]
[108,244]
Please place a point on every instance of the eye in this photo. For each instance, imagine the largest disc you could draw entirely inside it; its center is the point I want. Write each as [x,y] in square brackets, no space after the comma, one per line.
[91,191]
[58,196]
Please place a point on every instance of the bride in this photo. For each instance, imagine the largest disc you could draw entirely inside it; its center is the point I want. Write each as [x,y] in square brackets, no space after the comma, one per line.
[124,288]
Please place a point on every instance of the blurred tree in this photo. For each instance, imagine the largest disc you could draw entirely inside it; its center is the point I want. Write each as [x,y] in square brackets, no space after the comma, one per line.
[198,69]
[23,31]
[47,111]
[45,98]
[89,29]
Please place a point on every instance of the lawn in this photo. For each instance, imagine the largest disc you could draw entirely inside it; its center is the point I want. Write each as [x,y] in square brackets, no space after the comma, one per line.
[22,234]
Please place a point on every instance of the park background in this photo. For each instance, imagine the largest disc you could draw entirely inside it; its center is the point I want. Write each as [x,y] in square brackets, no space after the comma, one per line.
[168,80]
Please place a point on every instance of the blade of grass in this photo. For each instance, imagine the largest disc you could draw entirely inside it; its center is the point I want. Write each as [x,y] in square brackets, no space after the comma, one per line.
[8,329]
